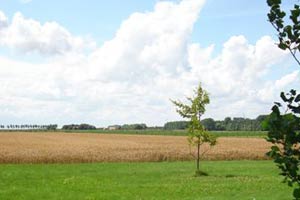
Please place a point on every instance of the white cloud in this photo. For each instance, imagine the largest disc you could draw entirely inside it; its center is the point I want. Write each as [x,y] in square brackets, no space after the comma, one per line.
[132,77]
[3,20]
[236,77]
[28,35]
[148,44]
[287,79]
[269,92]
[238,68]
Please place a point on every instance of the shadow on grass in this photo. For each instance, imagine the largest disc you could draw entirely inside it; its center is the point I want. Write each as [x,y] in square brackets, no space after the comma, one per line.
[231,176]
[200,173]
[239,176]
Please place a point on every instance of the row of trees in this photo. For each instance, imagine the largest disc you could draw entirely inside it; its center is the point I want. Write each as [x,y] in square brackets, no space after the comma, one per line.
[235,124]
[176,125]
[29,126]
[134,126]
[228,124]
[79,127]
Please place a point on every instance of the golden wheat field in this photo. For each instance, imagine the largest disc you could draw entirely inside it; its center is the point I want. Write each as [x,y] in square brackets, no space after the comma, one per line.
[22,147]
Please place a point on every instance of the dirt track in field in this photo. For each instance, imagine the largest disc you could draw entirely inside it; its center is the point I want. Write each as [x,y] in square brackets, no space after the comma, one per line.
[22,147]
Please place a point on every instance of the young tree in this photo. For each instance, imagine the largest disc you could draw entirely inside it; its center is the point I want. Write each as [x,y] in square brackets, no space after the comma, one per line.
[284,127]
[193,111]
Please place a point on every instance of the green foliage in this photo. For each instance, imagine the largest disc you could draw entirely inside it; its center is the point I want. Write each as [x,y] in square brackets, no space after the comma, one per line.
[134,126]
[227,120]
[197,107]
[176,125]
[283,127]
[51,127]
[79,127]
[209,124]
[193,111]
[288,33]
[198,135]
[239,124]
[261,119]
[228,124]
[285,137]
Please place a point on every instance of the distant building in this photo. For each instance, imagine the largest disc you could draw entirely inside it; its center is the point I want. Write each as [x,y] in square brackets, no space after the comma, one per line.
[114,127]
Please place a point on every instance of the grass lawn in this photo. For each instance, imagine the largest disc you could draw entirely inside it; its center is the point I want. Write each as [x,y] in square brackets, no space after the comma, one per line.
[165,180]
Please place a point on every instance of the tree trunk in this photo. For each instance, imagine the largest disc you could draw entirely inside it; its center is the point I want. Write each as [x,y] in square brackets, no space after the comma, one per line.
[198,146]
[199,116]
[198,156]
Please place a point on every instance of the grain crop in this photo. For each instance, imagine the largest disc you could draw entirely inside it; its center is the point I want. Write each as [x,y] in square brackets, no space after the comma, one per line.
[23,147]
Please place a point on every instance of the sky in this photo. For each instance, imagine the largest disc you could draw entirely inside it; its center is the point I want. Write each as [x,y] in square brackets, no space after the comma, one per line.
[117,62]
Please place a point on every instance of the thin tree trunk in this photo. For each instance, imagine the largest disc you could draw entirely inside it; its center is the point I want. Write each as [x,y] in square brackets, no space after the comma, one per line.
[198,156]
[198,152]
[198,145]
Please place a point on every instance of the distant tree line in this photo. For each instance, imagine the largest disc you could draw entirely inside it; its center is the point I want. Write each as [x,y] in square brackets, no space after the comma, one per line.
[176,125]
[140,126]
[29,127]
[78,127]
[228,124]
[134,126]
[235,124]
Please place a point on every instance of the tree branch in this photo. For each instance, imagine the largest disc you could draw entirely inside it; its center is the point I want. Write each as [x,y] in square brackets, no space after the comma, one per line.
[294,55]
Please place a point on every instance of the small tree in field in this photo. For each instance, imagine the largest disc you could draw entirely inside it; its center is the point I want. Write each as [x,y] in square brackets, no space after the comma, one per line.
[193,111]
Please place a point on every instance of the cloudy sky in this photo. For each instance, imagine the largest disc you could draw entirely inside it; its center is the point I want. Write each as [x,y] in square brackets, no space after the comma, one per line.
[116,62]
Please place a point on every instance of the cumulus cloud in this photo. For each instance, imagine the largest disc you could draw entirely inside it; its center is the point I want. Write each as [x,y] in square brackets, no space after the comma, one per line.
[132,77]
[28,35]
[238,69]
[148,44]
[236,77]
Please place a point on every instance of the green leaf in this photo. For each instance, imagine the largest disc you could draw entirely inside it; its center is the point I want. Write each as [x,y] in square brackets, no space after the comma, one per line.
[277,1]
[275,110]
[281,14]
[271,17]
[275,148]
[279,23]
[297,99]
[265,125]
[270,2]
[295,109]
[296,193]
[293,92]
[283,97]
[278,104]
[282,46]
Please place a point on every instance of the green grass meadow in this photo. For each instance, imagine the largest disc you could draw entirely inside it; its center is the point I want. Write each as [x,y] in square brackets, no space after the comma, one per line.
[252,180]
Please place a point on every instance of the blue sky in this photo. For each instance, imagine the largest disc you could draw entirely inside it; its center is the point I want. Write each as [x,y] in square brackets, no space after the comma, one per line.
[218,20]
[116,62]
